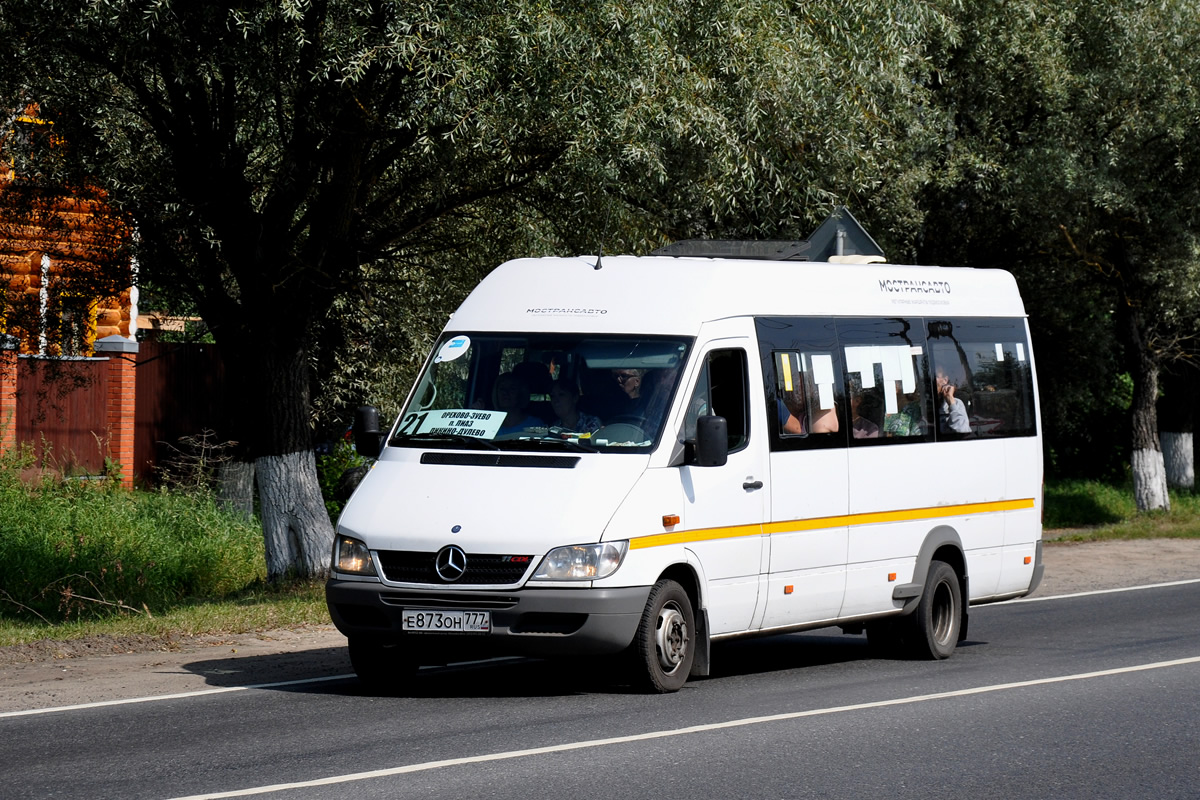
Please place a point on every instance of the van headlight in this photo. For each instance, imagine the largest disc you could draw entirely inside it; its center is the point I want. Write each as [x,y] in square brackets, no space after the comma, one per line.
[352,556]
[582,562]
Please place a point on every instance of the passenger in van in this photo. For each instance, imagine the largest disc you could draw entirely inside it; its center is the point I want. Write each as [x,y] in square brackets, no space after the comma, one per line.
[793,417]
[630,381]
[952,412]
[511,395]
[861,427]
[906,421]
[564,399]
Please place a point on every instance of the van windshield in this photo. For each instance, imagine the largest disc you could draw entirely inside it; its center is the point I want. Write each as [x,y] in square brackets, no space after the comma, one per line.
[511,391]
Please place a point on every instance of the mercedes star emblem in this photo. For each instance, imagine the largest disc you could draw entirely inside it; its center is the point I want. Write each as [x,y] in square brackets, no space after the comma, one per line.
[451,563]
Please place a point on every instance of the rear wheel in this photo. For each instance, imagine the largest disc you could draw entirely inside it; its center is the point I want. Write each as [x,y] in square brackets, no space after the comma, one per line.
[664,647]
[380,664]
[936,621]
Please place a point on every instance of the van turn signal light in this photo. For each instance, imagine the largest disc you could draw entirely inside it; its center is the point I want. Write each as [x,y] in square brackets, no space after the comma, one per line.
[788,589]
[670,520]
[891,577]
[1028,559]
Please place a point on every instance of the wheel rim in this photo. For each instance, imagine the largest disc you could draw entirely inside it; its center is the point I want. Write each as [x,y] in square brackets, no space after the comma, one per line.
[671,638]
[943,613]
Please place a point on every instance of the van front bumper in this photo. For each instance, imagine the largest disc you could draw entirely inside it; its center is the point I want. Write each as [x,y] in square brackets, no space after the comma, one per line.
[529,622]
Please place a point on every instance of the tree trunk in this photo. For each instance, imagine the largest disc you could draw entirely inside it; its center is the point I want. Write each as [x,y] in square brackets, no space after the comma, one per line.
[235,488]
[269,372]
[295,523]
[1177,413]
[1177,457]
[1149,472]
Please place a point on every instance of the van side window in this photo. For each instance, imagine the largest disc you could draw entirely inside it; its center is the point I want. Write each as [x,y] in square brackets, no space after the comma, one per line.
[804,393]
[722,390]
[986,364]
[802,382]
[886,379]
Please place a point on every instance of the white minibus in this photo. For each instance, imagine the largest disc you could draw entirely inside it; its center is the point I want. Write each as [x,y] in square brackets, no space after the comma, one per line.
[645,455]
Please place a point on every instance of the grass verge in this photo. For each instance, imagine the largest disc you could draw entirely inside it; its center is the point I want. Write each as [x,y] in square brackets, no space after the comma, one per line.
[256,609]
[1088,511]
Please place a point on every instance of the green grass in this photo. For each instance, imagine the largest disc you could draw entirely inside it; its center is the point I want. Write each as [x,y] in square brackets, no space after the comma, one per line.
[1083,511]
[83,558]
[257,609]
[75,550]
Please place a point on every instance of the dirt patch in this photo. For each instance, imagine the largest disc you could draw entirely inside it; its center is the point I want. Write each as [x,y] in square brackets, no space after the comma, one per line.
[50,674]
[102,645]
[1083,566]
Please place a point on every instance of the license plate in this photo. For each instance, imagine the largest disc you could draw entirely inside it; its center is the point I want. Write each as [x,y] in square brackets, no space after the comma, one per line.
[446,621]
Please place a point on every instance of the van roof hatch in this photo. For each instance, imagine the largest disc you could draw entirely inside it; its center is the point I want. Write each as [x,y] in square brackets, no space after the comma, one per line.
[839,238]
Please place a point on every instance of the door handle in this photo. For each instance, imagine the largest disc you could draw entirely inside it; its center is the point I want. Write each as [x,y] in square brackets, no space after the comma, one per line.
[750,485]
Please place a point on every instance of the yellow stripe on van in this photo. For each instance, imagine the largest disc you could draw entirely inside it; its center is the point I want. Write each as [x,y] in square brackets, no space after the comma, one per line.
[818,523]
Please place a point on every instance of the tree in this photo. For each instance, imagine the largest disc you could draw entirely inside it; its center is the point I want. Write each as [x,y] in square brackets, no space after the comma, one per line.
[1075,146]
[279,159]
[749,120]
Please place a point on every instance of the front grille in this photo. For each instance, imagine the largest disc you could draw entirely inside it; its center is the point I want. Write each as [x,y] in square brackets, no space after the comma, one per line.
[490,602]
[500,460]
[409,566]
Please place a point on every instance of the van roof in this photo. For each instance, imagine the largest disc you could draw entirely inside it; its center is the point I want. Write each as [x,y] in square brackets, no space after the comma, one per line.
[666,295]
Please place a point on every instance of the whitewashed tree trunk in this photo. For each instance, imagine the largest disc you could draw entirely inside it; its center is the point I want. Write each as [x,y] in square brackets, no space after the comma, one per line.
[235,488]
[1178,459]
[1150,481]
[296,527]
[1149,473]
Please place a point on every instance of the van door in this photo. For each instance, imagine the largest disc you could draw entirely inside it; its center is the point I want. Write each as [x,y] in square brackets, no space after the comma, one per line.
[810,493]
[724,506]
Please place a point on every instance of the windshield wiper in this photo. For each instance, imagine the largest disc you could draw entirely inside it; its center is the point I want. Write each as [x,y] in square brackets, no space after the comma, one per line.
[570,444]
[472,441]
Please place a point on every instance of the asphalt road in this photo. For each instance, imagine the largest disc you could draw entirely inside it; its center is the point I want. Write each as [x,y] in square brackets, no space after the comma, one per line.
[1092,696]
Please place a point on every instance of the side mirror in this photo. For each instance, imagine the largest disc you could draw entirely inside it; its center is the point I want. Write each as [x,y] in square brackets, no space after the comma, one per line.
[712,441]
[368,440]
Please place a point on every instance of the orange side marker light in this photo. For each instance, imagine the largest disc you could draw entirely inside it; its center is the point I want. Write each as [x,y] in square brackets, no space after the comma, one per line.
[670,519]
[788,589]
[1028,559]
[891,577]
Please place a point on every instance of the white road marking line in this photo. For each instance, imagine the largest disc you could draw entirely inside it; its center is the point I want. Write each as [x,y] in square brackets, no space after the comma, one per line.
[1097,591]
[715,726]
[202,692]
[177,696]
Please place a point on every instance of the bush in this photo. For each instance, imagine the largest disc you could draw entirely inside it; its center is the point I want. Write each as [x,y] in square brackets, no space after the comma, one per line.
[72,548]
[331,470]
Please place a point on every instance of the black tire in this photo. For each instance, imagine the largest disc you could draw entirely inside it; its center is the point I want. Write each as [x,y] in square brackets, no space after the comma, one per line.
[380,664]
[665,643]
[934,625]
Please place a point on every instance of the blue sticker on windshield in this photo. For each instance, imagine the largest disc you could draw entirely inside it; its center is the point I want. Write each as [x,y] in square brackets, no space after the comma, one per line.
[453,349]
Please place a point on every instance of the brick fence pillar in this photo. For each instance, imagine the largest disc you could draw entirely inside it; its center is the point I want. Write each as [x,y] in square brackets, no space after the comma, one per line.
[8,392]
[121,402]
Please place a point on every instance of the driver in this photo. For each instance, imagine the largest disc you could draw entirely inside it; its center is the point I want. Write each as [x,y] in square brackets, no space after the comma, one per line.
[564,399]
[511,395]
[630,381]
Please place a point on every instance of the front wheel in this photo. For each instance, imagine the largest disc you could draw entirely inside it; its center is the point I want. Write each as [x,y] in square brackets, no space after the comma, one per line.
[665,643]
[938,617]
